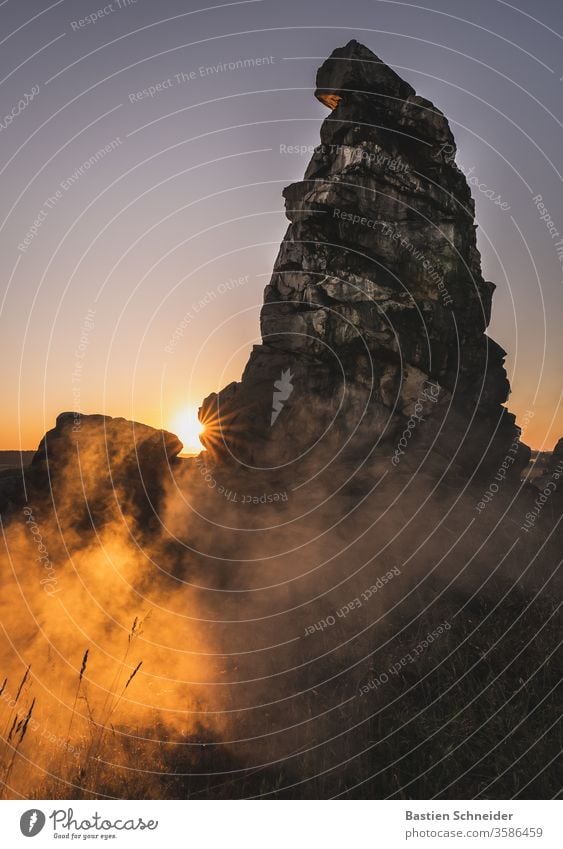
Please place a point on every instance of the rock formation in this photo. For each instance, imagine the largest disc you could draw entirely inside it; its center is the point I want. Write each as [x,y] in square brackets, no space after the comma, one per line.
[92,468]
[376,313]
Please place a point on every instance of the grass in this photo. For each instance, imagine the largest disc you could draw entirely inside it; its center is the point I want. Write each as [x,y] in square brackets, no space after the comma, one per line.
[476,715]
[75,777]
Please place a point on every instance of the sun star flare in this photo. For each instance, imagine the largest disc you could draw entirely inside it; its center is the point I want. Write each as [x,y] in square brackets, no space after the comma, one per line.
[186,425]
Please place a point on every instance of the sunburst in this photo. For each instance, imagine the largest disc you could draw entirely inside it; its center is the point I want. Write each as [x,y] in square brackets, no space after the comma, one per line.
[188,429]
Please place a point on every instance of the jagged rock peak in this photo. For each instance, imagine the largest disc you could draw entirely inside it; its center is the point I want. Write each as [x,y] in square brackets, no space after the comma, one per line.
[376,293]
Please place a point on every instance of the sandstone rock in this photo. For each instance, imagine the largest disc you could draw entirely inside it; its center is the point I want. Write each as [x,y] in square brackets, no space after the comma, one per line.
[377,289]
[94,467]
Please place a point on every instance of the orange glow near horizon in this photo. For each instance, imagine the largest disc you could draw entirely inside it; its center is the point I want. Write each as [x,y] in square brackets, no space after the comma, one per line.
[541,433]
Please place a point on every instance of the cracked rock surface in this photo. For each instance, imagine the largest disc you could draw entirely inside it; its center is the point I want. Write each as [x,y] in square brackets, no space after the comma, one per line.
[377,309]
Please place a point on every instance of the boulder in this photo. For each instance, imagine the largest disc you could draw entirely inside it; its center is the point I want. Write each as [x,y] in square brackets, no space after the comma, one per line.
[95,468]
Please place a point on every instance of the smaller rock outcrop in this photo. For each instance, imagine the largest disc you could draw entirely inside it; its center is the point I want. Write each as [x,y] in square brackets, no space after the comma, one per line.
[92,466]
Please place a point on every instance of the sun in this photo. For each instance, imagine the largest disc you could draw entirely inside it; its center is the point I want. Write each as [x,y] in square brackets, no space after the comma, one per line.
[188,429]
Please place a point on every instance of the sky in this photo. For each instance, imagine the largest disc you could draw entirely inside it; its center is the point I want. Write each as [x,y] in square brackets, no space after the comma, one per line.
[141,184]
